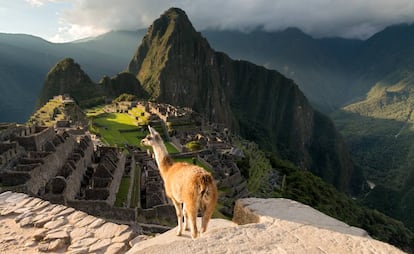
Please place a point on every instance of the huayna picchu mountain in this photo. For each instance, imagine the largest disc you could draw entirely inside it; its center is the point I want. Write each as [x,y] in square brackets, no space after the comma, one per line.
[176,65]
[67,77]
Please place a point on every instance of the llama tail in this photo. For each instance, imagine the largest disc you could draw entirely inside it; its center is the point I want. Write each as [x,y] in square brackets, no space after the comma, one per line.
[207,198]
[208,189]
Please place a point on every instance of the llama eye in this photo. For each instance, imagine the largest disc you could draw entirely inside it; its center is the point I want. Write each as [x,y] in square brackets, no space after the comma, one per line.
[149,138]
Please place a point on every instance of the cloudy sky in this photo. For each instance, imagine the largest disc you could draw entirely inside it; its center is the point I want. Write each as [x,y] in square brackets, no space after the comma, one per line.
[67,20]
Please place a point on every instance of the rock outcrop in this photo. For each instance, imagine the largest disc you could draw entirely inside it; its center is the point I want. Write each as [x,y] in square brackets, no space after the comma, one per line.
[32,225]
[270,226]
[176,65]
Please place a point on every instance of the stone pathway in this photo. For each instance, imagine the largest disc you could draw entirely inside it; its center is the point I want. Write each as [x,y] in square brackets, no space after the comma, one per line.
[32,225]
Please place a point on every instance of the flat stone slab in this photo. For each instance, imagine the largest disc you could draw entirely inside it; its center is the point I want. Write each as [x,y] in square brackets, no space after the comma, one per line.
[289,210]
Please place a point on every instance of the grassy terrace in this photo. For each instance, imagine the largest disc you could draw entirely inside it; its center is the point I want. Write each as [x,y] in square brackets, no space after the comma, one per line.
[115,128]
[135,193]
[121,196]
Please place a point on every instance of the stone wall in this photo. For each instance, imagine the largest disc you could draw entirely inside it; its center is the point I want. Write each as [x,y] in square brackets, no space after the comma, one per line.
[8,152]
[160,214]
[73,182]
[51,165]
[35,141]
[116,180]
[11,131]
[104,210]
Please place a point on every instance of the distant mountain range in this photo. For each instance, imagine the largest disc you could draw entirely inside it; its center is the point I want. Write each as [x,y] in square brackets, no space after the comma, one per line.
[332,72]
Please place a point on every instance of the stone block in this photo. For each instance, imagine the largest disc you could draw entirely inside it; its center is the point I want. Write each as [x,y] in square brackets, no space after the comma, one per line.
[57,185]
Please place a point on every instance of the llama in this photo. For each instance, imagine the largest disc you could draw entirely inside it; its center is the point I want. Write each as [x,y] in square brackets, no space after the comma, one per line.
[188,186]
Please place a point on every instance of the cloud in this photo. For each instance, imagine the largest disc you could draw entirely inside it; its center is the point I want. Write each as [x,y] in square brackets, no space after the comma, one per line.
[39,3]
[70,32]
[320,18]
[35,2]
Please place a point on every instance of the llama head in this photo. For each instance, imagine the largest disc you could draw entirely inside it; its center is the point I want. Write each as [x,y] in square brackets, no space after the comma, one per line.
[152,138]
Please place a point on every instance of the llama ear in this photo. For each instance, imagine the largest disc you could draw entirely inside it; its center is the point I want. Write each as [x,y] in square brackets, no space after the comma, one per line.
[152,130]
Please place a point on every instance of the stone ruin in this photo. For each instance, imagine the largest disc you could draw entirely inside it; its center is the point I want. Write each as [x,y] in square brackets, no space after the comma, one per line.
[151,184]
[57,166]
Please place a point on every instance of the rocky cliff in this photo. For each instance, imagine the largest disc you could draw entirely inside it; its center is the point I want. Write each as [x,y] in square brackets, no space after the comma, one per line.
[176,65]
[67,77]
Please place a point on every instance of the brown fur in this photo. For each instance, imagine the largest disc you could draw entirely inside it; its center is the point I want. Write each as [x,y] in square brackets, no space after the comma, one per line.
[189,187]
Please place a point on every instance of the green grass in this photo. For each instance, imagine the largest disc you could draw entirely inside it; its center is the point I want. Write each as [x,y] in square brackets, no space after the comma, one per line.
[170,148]
[108,125]
[95,111]
[114,119]
[135,188]
[122,195]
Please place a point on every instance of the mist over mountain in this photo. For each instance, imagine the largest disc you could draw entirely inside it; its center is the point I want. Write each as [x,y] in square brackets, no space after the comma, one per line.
[319,66]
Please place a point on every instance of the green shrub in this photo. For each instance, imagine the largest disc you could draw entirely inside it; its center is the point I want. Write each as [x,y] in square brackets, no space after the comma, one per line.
[193,146]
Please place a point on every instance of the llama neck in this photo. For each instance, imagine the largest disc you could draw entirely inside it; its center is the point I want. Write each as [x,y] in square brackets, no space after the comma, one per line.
[162,158]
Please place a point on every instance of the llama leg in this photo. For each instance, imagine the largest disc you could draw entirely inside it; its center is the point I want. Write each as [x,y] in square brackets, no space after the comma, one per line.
[207,210]
[179,212]
[191,211]
[185,218]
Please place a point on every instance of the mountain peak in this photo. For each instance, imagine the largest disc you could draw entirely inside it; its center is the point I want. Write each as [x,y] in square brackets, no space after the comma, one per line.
[65,65]
[65,77]
[170,36]
[167,23]
[174,12]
